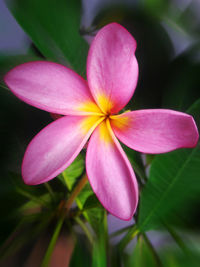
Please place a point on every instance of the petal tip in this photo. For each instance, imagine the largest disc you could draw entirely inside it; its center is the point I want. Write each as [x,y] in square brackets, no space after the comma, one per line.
[127,214]
[116,26]
[112,68]
[26,177]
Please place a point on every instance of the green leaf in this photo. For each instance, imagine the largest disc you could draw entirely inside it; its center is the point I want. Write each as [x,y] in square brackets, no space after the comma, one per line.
[54,28]
[91,202]
[94,215]
[100,246]
[74,171]
[86,200]
[141,255]
[174,178]
[8,62]
[84,194]
[155,7]
[173,257]
[81,256]
[173,182]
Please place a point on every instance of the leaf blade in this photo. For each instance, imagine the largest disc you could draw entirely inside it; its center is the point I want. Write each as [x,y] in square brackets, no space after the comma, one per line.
[174,178]
[54,29]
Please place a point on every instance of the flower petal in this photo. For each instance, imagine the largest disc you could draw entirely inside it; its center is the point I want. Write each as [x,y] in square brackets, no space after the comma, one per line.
[155,131]
[55,147]
[112,68]
[110,173]
[51,87]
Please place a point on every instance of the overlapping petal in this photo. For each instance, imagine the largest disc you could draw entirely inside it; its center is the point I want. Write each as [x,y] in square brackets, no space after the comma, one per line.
[112,72]
[155,131]
[110,173]
[112,68]
[55,147]
[51,87]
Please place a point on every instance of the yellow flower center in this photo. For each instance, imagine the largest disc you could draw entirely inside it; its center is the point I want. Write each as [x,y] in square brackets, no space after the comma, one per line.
[101,116]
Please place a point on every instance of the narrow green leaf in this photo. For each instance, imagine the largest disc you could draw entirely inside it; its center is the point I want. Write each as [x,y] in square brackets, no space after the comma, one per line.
[50,191]
[130,235]
[53,26]
[141,255]
[38,200]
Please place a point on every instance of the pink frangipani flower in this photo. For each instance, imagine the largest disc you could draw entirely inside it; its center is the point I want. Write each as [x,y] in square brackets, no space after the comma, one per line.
[90,112]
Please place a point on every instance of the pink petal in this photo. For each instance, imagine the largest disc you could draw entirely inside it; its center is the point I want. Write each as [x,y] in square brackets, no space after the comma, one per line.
[155,131]
[110,173]
[55,147]
[112,68]
[51,87]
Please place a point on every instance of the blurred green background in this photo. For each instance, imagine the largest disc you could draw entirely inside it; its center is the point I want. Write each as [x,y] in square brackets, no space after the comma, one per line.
[165,231]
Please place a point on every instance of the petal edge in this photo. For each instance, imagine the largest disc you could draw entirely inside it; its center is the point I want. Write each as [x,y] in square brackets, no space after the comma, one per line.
[112,68]
[51,87]
[155,131]
[110,174]
[55,147]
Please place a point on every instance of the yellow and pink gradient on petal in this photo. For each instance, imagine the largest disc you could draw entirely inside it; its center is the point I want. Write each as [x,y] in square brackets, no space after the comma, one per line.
[90,108]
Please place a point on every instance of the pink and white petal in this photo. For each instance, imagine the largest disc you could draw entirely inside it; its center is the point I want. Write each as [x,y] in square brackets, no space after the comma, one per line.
[55,147]
[110,174]
[112,68]
[51,87]
[155,131]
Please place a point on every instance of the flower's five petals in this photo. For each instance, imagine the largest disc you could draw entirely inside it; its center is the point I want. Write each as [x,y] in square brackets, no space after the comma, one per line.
[51,87]
[55,147]
[155,131]
[110,173]
[112,68]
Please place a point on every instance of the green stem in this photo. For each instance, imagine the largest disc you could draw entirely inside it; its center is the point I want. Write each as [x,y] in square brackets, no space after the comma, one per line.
[153,251]
[3,86]
[132,233]
[105,223]
[85,229]
[81,184]
[31,197]
[52,243]
[49,189]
